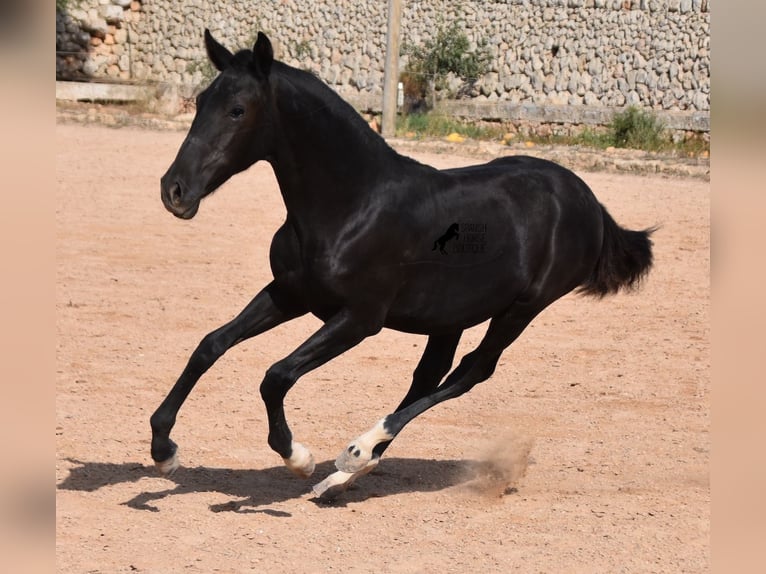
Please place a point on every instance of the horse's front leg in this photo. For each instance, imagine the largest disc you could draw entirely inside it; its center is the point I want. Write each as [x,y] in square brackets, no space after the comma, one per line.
[342,332]
[267,310]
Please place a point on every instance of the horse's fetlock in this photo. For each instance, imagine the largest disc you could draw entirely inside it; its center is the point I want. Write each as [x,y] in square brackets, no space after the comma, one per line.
[281,443]
[161,422]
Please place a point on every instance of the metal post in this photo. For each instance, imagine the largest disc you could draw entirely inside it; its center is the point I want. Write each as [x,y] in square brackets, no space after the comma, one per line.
[391,73]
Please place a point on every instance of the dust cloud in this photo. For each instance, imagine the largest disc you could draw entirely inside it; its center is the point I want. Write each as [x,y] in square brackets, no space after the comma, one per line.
[501,465]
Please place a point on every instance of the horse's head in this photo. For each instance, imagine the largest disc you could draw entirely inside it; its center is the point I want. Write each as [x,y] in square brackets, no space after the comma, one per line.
[231,129]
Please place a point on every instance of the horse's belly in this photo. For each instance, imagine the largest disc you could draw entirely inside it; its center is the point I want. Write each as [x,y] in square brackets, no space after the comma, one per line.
[447,298]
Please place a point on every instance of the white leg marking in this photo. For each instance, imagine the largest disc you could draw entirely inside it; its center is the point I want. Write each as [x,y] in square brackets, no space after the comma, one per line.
[339,481]
[359,452]
[301,462]
[374,437]
[169,466]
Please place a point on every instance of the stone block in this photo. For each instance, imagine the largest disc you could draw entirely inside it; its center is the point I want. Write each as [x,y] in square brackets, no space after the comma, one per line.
[110,13]
[96,27]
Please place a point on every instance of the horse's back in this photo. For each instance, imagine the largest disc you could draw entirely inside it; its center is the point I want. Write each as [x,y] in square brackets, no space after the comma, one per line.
[518,220]
[533,195]
[523,173]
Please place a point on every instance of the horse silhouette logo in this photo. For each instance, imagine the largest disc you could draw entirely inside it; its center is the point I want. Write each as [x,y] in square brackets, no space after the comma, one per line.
[451,233]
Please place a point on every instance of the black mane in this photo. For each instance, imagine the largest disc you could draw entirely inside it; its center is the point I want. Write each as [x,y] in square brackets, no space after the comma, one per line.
[318,100]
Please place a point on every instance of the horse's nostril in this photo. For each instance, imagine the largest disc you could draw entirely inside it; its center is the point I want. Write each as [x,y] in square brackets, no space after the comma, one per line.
[176,195]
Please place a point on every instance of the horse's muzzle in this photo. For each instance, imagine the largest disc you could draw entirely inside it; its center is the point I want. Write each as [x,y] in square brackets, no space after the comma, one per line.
[175,199]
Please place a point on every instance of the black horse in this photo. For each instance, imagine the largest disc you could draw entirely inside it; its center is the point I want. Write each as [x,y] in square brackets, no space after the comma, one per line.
[356,247]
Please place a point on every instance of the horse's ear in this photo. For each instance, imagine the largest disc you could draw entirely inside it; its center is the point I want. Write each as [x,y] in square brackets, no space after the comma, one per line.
[219,56]
[263,54]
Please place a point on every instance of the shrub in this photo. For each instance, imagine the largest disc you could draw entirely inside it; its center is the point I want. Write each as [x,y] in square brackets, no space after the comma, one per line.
[639,129]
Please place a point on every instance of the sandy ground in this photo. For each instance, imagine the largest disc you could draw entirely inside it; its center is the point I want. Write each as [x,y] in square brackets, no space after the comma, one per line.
[587,451]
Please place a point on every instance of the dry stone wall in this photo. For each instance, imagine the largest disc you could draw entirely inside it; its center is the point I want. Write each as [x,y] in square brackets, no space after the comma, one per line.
[612,53]
[97,39]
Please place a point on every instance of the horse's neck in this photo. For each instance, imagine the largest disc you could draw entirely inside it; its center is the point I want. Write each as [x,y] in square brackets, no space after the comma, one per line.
[326,162]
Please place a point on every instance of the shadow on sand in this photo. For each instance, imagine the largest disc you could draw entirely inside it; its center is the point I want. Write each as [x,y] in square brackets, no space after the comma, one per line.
[253,489]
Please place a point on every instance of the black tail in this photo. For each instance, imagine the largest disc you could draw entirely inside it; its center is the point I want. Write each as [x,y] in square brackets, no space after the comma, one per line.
[626,257]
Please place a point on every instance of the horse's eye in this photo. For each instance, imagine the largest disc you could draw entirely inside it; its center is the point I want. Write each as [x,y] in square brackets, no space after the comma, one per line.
[237,112]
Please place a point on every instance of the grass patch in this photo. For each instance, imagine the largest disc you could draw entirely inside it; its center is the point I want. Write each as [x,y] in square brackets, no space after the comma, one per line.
[631,128]
[436,125]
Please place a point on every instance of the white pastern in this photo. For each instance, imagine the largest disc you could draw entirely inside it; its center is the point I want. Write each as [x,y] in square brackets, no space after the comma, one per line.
[374,437]
[359,452]
[169,466]
[301,462]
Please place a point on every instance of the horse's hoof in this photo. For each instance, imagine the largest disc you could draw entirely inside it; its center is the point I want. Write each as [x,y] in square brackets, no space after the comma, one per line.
[169,466]
[358,454]
[352,459]
[301,461]
[333,486]
[338,482]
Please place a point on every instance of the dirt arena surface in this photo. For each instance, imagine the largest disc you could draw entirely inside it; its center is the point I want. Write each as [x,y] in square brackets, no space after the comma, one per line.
[587,451]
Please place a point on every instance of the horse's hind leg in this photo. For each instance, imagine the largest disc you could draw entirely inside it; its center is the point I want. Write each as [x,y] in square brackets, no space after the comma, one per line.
[433,366]
[268,309]
[475,367]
